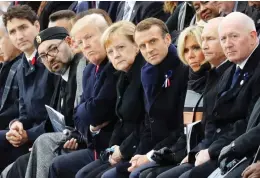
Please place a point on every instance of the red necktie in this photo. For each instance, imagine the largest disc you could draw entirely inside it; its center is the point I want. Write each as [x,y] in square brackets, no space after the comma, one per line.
[97,67]
[33,61]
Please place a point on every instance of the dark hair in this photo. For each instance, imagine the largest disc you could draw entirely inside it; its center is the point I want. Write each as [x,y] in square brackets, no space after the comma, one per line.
[20,12]
[68,14]
[93,11]
[149,22]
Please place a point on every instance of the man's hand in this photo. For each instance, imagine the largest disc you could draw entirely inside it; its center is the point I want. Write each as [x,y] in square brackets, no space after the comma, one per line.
[112,161]
[97,128]
[185,160]
[71,144]
[225,152]
[116,156]
[137,161]
[15,138]
[202,157]
[252,171]
[18,126]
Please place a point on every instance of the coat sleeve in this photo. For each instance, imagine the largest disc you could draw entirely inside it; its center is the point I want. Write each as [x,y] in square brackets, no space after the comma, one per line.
[96,110]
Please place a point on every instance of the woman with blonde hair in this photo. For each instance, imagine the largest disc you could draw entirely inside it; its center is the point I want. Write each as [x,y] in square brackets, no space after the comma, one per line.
[123,53]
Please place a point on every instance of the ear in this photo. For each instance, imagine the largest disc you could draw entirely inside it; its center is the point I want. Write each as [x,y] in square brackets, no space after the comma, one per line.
[68,40]
[253,35]
[168,39]
[37,25]
[136,49]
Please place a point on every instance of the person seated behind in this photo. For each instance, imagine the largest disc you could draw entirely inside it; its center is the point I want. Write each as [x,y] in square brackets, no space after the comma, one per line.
[62,18]
[123,53]
[163,77]
[35,83]
[9,92]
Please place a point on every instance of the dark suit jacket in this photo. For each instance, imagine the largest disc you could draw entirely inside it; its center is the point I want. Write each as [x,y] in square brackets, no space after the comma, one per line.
[67,91]
[143,10]
[36,86]
[209,99]
[164,106]
[9,108]
[129,105]
[97,103]
[109,6]
[232,108]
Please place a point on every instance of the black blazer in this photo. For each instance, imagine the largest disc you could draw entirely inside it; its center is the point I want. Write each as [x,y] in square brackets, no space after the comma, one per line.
[129,105]
[143,10]
[209,98]
[235,105]
[9,108]
[163,106]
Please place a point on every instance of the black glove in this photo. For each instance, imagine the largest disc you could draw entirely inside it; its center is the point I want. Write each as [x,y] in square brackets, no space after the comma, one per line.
[226,165]
[227,151]
[163,156]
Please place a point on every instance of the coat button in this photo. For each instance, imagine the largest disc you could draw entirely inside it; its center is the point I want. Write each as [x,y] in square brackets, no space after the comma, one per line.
[151,120]
[120,120]
[134,146]
[218,130]
[119,97]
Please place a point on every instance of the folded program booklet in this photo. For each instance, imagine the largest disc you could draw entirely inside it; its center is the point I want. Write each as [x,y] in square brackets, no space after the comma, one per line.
[56,118]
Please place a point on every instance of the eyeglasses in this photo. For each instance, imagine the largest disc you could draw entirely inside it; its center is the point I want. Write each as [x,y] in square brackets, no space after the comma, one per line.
[51,53]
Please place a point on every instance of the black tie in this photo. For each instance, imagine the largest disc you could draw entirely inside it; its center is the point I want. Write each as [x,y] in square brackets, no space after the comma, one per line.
[235,76]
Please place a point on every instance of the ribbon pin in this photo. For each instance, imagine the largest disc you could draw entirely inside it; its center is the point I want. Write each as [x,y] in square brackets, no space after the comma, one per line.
[167,81]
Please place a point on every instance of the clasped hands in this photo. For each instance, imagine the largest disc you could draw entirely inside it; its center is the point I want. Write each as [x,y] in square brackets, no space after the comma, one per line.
[16,136]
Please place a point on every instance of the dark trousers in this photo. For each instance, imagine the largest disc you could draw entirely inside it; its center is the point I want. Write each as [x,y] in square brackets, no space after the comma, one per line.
[181,171]
[18,169]
[67,166]
[9,153]
[93,169]
[204,170]
[154,172]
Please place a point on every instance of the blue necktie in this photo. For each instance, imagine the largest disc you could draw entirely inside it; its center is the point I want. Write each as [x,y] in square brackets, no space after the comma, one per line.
[235,76]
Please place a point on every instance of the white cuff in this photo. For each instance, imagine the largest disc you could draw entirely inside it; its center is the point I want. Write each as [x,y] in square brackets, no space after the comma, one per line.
[94,132]
[149,156]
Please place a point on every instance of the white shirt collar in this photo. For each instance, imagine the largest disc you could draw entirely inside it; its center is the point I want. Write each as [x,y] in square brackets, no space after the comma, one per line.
[29,58]
[222,63]
[242,64]
[65,76]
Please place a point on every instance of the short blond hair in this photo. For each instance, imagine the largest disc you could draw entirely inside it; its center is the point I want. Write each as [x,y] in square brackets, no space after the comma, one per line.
[192,31]
[123,27]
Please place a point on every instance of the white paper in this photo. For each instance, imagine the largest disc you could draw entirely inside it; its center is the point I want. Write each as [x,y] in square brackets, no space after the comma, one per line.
[56,118]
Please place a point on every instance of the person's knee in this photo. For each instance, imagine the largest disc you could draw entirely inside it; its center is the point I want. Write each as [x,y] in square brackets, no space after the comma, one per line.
[81,174]
[109,174]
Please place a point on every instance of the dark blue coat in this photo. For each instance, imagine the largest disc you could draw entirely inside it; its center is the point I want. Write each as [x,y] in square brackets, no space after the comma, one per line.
[98,102]
[9,97]
[36,86]
[163,106]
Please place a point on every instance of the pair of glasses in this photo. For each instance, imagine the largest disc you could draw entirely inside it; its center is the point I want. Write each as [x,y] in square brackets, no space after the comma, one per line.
[51,53]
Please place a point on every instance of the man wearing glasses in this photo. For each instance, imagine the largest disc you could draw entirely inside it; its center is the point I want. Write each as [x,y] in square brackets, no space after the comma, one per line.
[36,85]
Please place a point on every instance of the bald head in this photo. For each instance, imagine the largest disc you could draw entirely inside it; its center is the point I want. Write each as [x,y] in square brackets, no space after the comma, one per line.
[238,36]
[238,19]
[95,20]
[210,42]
